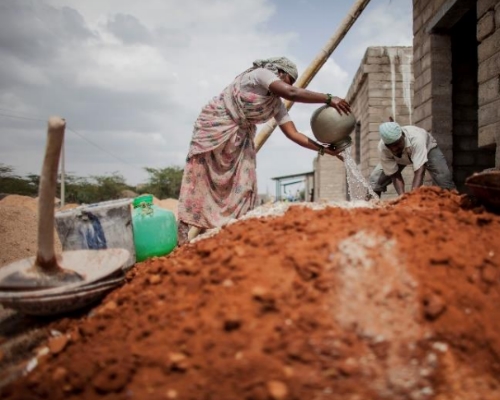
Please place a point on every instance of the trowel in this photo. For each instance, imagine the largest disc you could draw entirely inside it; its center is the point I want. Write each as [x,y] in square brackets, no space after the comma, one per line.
[72,268]
[485,187]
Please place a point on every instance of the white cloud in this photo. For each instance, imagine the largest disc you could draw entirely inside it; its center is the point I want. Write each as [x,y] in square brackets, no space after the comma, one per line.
[132,76]
[387,23]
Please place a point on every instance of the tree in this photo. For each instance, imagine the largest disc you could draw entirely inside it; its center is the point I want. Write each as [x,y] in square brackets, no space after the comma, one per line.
[95,189]
[163,182]
[110,187]
[14,184]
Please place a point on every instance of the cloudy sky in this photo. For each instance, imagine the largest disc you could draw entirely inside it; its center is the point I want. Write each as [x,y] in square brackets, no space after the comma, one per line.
[130,77]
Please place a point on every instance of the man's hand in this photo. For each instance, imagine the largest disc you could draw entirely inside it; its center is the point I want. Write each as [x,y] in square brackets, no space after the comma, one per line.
[398,182]
[418,178]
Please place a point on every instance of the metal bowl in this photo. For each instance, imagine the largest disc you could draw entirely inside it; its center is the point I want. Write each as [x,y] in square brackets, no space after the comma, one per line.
[485,186]
[61,304]
[93,265]
[329,126]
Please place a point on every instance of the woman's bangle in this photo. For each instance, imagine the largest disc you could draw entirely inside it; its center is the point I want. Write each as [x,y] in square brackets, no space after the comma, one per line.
[321,150]
[328,98]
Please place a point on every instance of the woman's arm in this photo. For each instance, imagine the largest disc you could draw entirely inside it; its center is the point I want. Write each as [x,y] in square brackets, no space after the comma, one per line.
[291,132]
[299,95]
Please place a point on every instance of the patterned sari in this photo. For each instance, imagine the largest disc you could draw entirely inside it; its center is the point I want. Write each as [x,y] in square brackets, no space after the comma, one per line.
[219,181]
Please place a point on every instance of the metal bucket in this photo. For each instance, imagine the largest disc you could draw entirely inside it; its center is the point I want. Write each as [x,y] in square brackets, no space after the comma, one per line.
[329,126]
[104,225]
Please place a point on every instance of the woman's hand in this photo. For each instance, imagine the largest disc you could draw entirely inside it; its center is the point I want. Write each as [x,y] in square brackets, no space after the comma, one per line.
[333,152]
[340,105]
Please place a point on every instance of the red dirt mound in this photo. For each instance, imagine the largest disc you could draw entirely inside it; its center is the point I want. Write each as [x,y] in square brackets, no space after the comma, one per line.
[399,302]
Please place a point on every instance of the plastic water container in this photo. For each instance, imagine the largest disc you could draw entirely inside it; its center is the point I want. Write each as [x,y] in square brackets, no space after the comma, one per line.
[155,229]
[104,225]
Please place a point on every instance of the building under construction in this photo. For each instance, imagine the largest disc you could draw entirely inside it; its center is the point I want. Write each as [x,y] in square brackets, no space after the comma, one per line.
[447,83]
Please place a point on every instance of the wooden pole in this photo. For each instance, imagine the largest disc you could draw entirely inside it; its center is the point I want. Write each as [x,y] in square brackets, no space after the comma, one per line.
[316,65]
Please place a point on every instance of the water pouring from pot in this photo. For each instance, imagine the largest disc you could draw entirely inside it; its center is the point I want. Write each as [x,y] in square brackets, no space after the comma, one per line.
[333,128]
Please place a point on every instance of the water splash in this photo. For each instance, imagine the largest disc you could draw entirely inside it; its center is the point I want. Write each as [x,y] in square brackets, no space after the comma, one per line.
[357,186]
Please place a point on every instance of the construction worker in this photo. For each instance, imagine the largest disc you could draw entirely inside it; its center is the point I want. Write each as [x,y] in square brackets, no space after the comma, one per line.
[400,146]
[220,179]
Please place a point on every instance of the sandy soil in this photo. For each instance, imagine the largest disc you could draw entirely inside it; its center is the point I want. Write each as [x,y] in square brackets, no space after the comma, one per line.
[395,302]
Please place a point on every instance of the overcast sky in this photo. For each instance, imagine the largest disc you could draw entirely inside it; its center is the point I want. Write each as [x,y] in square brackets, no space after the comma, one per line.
[130,77]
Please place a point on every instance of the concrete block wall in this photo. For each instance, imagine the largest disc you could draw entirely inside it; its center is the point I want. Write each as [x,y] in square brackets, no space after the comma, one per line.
[433,20]
[488,36]
[329,178]
[381,88]
[432,74]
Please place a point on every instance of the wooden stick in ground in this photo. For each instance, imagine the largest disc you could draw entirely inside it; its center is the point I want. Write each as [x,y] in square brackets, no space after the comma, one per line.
[316,65]
[46,271]
[46,257]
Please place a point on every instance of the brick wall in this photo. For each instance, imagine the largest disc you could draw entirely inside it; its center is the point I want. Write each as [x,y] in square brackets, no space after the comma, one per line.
[329,178]
[464,119]
[488,36]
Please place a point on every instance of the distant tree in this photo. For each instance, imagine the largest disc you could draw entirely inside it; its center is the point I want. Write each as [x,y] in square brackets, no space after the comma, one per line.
[95,189]
[14,184]
[110,187]
[163,182]
[79,190]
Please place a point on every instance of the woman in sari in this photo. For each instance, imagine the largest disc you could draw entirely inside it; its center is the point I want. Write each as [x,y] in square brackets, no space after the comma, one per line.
[220,180]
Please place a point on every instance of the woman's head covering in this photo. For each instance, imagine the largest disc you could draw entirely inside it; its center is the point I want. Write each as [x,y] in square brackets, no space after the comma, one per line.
[390,132]
[276,63]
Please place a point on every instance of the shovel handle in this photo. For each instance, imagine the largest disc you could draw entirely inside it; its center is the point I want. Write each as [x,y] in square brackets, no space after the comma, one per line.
[46,258]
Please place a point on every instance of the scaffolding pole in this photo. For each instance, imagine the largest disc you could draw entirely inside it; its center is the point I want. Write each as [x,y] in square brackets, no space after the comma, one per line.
[316,65]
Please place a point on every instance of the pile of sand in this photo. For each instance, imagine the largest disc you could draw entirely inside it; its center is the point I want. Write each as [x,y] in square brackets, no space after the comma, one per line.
[19,229]
[397,302]
[168,204]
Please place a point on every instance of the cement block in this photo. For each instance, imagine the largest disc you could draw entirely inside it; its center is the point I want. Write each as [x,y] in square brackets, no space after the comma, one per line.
[487,135]
[489,68]
[489,113]
[370,60]
[418,50]
[387,76]
[486,25]
[489,46]
[425,124]
[422,111]
[371,68]
[376,51]
[489,90]
[423,79]
[485,5]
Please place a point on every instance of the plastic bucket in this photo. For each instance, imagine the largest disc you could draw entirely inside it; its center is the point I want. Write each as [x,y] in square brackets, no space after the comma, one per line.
[105,225]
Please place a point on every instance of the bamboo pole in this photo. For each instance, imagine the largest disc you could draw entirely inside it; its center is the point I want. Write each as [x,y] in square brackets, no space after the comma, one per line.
[316,65]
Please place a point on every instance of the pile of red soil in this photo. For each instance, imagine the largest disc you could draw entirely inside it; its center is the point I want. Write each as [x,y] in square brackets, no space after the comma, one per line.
[399,302]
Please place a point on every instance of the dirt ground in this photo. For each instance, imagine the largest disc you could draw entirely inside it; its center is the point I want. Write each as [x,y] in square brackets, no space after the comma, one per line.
[395,302]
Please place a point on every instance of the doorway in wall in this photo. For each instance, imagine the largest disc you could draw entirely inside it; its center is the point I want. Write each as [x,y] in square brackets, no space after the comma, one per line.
[467,157]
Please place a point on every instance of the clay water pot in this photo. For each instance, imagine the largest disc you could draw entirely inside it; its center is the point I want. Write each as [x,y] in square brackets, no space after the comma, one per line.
[329,126]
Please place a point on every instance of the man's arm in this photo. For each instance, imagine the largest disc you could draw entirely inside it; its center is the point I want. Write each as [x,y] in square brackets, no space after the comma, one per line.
[418,178]
[398,182]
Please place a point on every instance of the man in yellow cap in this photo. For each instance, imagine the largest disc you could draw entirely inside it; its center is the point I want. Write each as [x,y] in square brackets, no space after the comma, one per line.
[400,146]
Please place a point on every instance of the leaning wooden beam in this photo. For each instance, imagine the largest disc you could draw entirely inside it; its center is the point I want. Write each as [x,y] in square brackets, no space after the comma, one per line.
[316,65]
